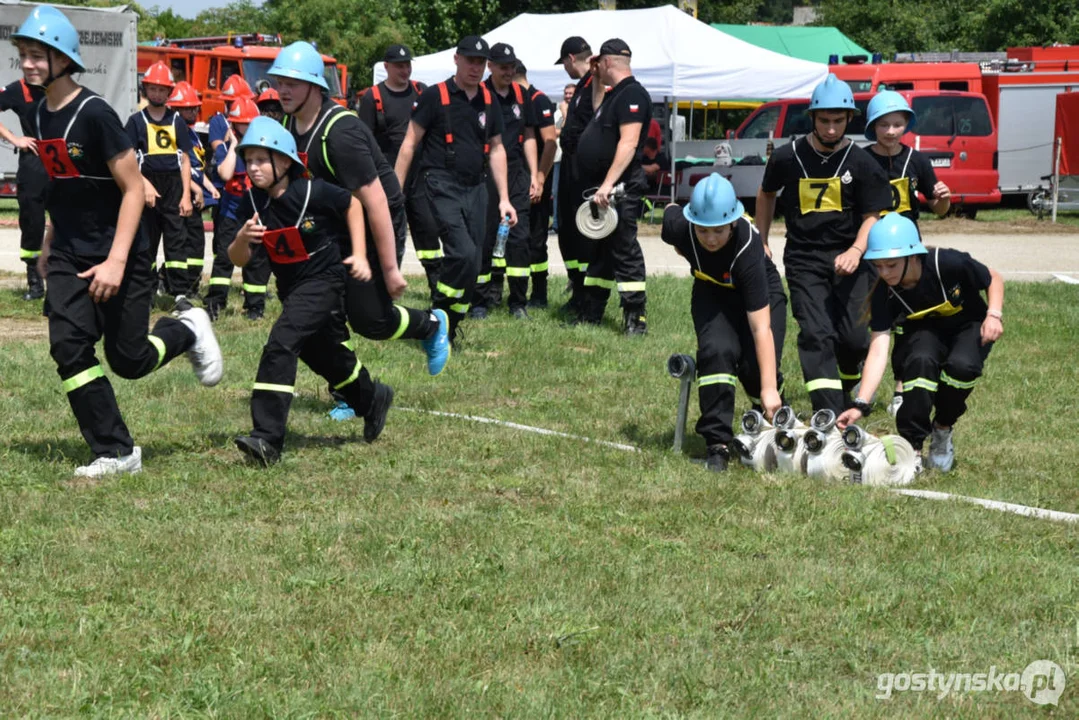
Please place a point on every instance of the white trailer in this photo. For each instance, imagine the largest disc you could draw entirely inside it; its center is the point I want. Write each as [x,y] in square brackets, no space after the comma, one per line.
[108,44]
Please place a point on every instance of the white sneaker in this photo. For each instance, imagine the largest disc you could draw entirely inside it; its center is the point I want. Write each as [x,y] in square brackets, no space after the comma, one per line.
[205,354]
[894,405]
[941,450]
[918,467]
[123,465]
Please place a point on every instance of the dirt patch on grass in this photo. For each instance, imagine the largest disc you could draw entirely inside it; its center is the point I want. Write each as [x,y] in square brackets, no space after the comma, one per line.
[1017,226]
[14,330]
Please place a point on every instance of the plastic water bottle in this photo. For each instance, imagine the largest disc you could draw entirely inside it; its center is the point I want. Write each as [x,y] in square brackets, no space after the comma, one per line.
[503,236]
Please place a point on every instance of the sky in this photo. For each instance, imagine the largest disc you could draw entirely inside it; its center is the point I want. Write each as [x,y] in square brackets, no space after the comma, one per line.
[189,8]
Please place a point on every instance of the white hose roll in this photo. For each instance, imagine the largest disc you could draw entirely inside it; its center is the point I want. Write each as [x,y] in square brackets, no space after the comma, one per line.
[595,228]
[889,462]
[792,461]
[827,462]
[764,453]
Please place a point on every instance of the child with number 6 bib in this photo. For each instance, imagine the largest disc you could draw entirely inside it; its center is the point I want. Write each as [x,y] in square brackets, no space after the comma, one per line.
[299,223]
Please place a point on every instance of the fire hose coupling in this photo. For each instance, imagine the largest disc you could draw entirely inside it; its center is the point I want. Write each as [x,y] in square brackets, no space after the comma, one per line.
[814,440]
[823,421]
[785,418]
[681,365]
[786,440]
[753,422]
[855,438]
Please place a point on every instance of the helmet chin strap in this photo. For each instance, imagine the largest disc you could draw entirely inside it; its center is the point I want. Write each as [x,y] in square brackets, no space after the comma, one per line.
[906,266]
[829,145]
[155,104]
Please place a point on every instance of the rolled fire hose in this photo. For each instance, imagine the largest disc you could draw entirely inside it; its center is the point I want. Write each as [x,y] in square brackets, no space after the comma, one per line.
[597,223]
[884,461]
[824,448]
[681,367]
[755,445]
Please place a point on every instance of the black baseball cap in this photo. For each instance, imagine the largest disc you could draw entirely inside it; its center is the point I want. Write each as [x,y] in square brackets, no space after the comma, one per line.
[473,46]
[501,54]
[614,46]
[397,53]
[571,46]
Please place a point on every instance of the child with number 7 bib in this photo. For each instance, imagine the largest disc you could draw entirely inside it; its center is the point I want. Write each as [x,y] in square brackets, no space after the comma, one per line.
[299,222]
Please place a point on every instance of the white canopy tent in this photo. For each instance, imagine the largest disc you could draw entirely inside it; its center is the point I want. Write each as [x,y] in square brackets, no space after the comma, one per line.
[675,56]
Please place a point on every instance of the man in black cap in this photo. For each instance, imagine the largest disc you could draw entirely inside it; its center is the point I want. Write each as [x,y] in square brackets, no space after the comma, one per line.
[386,108]
[458,122]
[519,140]
[610,154]
[540,215]
[575,249]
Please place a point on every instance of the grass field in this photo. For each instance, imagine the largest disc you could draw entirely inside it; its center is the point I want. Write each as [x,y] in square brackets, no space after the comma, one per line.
[457,569]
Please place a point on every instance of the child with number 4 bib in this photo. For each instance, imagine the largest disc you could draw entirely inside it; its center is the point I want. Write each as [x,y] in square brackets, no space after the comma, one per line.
[299,222]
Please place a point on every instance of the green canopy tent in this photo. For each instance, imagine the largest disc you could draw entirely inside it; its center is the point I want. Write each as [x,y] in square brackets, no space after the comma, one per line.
[803,42]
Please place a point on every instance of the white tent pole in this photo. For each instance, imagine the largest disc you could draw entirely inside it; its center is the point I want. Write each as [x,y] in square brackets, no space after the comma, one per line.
[672,123]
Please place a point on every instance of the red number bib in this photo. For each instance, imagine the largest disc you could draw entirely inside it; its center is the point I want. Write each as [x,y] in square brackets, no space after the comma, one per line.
[55,157]
[237,185]
[285,246]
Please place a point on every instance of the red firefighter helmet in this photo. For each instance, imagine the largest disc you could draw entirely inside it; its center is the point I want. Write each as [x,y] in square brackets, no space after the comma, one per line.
[158,74]
[236,87]
[243,111]
[184,96]
[268,95]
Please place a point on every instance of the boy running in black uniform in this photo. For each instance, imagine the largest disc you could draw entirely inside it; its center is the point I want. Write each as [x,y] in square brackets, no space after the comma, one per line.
[833,192]
[95,257]
[163,147]
[302,224]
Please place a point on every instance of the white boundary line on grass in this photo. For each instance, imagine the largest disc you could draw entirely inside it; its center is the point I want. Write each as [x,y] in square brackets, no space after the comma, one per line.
[527,428]
[1066,278]
[1024,510]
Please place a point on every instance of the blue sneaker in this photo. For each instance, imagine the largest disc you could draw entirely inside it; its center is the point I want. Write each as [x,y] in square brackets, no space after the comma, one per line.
[342,412]
[437,346]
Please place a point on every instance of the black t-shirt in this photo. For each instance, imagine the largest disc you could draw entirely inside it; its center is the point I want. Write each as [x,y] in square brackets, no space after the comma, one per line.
[159,144]
[472,124]
[322,224]
[627,102]
[578,114]
[739,272]
[390,125]
[516,116]
[83,209]
[19,98]
[351,149]
[824,198]
[915,168]
[542,106]
[947,295]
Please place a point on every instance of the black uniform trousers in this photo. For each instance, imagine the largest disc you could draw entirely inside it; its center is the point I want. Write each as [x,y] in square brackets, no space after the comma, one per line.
[76,323]
[424,229]
[617,262]
[256,273]
[515,264]
[196,251]
[939,371]
[539,219]
[460,211]
[576,250]
[31,183]
[310,328]
[371,311]
[163,221]
[726,352]
[833,337]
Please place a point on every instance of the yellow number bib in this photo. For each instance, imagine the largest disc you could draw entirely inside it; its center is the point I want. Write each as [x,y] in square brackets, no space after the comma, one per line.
[160,139]
[820,195]
[945,309]
[708,278]
[900,195]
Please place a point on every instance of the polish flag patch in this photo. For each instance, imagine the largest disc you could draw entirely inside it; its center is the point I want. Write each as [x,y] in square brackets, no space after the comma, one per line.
[634,108]
[546,113]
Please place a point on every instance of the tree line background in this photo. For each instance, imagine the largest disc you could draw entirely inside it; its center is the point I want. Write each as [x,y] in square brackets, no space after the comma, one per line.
[357,32]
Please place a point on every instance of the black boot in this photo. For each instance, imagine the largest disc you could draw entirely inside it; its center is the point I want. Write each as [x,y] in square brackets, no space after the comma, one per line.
[634,322]
[717,458]
[35,284]
[539,291]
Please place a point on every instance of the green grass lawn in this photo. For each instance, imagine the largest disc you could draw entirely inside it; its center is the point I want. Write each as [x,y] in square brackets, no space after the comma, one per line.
[458,569]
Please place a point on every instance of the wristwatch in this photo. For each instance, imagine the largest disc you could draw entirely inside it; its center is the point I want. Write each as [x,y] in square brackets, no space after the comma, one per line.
[862,406]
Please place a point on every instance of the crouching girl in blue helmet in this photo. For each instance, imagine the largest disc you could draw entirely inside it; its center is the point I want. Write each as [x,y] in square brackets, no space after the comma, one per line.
[888,118]
[739,309]
[948,331]
[302,224]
